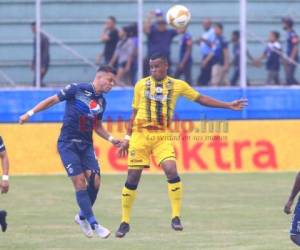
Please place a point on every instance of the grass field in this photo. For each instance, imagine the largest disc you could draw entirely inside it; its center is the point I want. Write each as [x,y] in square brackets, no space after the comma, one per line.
[234,212]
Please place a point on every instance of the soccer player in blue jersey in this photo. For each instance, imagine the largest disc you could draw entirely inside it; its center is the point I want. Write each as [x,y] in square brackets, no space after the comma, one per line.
[295,224]
[4,184]
[84,109]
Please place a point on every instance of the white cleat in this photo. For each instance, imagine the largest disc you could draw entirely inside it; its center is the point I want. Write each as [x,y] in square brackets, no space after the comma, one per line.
[101,231]
[84,226]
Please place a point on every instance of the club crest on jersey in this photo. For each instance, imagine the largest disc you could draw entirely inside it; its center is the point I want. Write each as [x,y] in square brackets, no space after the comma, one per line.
[158,90]
[95,107]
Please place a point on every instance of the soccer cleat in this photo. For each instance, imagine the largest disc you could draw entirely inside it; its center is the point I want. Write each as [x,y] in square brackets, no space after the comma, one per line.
[84,226]
[123,229]
[3,220]
[176,224]
[101,231]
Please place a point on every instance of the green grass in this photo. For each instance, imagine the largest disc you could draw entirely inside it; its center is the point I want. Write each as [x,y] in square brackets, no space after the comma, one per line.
[220,211]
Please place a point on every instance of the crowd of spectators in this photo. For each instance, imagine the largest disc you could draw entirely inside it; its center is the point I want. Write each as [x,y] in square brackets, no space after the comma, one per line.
[213,53]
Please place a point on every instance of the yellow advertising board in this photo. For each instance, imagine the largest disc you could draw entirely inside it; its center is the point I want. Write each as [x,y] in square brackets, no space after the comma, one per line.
[208,146]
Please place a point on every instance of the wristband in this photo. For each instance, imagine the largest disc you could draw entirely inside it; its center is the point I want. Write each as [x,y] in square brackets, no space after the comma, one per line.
[5,177]
[110,138]
[127,137]
[30,112]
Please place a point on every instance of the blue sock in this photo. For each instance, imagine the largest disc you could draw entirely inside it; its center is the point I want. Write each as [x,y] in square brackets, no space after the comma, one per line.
[92,191]
[85,205]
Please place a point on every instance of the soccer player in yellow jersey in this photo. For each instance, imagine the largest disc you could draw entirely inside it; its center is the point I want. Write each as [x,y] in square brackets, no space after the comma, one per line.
[153,107]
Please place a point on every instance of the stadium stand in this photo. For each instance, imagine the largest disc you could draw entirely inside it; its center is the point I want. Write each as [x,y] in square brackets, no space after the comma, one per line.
[78,23]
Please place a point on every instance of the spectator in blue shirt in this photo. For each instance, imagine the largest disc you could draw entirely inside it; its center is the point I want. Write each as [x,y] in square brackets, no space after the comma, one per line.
[159,36]
[235,39]
[219,57]
[110,38]
[185,56]
[272,54]
[292,41]
[123,57]
[133,35]
[206,48]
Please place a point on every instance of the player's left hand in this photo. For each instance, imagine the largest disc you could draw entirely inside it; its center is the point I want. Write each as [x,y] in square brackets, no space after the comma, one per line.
[23,118]
[4,186]
[123,150]
[288,207]
[116,142]
[238,104]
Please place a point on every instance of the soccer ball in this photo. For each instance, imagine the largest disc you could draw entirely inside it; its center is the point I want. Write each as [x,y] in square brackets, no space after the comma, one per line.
[178,16]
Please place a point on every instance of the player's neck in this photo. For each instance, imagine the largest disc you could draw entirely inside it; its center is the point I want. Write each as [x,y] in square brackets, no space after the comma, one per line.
[160,80]
[97,89]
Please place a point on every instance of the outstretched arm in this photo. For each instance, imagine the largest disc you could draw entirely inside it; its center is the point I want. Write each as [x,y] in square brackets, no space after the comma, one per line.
[4,185]
[43,105]
[105,135]
[294,192]
[211,102]
[125,144]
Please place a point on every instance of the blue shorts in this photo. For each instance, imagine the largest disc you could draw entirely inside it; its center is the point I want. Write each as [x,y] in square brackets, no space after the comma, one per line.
[295,223]
[77,157]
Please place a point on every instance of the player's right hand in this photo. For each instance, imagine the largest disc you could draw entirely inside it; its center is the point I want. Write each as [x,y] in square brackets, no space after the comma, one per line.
[123,150]
[23,118]
[288,207]
[4,186]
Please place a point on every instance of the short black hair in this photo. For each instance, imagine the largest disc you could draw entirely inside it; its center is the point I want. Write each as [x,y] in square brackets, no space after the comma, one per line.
[276,34]
[155,56]
[126,30]
[219,25]
[236,33]
[33,23]
[112,18]
[107,69]
[288,20]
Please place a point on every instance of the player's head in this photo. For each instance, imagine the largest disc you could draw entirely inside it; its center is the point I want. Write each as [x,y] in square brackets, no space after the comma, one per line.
[161,25]
[287,22]
[274,36]
[105,78]
[111,22]
[33,27]
[206,24]
[235,36]
[158,66]
[218,27]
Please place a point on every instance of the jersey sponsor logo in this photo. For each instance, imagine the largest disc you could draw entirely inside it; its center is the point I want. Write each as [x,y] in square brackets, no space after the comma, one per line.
[156,97]
[136,161]
[95,107]
[175,189]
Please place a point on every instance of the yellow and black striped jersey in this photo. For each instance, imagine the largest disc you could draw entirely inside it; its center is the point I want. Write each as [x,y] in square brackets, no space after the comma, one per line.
[155,100]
